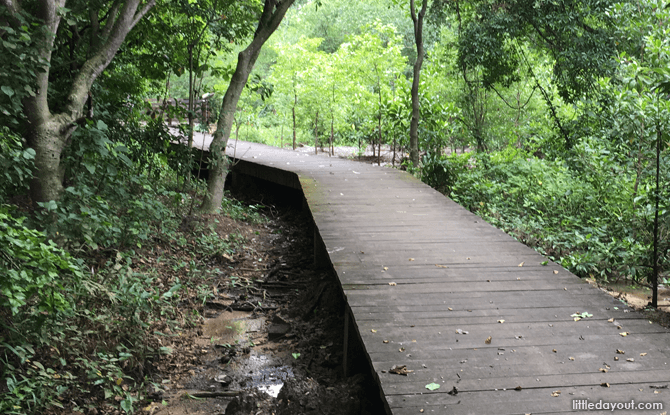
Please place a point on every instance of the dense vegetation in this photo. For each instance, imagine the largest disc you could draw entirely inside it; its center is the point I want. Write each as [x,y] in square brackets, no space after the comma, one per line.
[547,118]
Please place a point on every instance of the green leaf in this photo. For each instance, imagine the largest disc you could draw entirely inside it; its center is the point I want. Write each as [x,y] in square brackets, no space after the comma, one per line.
[7,90]
[432,386]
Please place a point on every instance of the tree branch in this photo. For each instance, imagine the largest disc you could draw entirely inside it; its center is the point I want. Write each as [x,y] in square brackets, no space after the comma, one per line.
[111,19]
[143,12]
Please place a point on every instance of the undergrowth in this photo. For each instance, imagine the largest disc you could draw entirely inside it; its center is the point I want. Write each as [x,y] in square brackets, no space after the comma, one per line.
[92,283]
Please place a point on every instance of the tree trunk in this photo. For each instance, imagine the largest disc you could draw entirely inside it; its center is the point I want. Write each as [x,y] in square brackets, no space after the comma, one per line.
[191,103]
[331,150]
[48,134]
[295,102]
[272,15]
[416,109]
[316,133]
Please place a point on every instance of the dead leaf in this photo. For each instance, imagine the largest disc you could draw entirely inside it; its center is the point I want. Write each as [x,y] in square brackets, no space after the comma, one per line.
[392,284]
[441,266]
[603,370]
[577,318]
[501,321]
[630,359]
[619,351]
[521,264]
[555,272]
[385,341]
[554,350]
[400,370]
[402,349]
[373,330]
[450,309]
[488,340]
[411,259]
[518,388]
[616,358]
[643,354]
[611,320]
[624,334]
[385,268]
[605,385]
[421,410]
[571,358]
[555,394]
[618,327]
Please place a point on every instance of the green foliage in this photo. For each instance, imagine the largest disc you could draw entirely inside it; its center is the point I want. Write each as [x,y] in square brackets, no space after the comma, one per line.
[16,163]
[32,269]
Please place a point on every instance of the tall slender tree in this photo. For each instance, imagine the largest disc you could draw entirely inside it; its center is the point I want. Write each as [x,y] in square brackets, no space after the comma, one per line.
[270,18]
[417,19]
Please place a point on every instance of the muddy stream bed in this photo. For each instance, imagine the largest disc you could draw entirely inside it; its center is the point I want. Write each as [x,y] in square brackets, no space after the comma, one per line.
[270,338]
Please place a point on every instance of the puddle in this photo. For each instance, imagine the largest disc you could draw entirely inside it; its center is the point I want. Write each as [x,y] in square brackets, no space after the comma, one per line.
[271,379]
[231,327]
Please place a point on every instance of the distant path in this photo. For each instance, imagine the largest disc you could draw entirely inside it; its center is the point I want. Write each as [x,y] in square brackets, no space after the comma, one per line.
[417,269]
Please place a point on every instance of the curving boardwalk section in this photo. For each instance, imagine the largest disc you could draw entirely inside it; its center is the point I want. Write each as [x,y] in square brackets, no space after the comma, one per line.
[417,269]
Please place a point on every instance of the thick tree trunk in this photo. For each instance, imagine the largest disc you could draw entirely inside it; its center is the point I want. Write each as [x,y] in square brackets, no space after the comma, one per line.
[272,15]
[48,134]
[416,109]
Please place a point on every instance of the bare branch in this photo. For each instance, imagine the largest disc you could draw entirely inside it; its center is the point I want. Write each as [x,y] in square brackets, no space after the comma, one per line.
[111,19]
[143,12]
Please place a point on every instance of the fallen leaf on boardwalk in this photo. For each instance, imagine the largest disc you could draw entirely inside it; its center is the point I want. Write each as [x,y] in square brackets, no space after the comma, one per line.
[385,341]
[518,388]
[544,263]
[488,340]
[386,268]
[577,318]
[585,314]
[554,350]
[402,349]
[656,391]
[450,309]
[555,394]
[433,386]
[619,327]
[459,331]
[373,330]
[571,358]
[555,272]
[392,284]
[611,320]
[411,259]
[603,370]
[413,340]
[468,258]
[400,370]
[441,266]
[605,385]
[643,354]
[624,334]
[619,351]
[501,321]
[421,410]
[630,359]
[521,264]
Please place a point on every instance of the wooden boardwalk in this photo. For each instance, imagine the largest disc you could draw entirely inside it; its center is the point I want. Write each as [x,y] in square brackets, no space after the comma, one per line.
[417,269]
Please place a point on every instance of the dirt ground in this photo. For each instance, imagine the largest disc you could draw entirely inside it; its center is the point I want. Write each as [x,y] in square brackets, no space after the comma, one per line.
[638,297]
[270,337]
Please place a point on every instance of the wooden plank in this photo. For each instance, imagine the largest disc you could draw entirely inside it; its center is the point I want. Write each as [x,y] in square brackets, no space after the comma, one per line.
[372,220]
